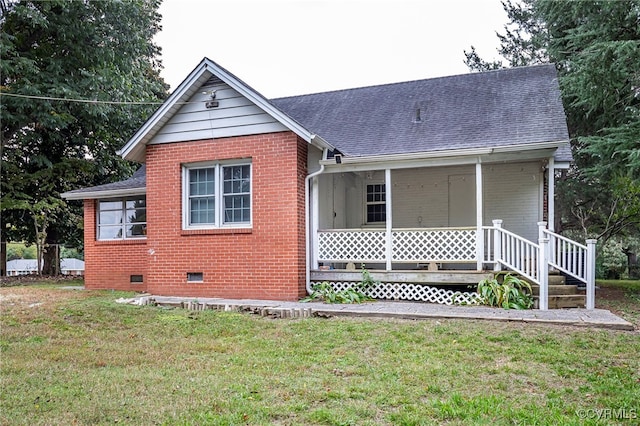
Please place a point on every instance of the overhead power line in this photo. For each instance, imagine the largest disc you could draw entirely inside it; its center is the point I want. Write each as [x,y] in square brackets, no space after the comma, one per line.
[87,101]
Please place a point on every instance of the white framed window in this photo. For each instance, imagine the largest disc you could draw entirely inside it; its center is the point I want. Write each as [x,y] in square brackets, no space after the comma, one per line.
[216,195]
[375,203]
[122,218]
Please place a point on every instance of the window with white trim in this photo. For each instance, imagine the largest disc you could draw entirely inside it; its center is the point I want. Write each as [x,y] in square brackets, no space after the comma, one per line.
[376,204]
[122,218]
[216,195]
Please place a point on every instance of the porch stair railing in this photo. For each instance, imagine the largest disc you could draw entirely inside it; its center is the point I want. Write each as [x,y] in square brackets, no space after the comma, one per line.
[534,261]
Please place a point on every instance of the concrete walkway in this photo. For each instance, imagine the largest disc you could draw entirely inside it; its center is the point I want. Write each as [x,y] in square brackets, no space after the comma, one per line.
[599,318]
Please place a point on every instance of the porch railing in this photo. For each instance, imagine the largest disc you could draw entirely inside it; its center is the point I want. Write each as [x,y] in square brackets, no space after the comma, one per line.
[409,245]
[499,247]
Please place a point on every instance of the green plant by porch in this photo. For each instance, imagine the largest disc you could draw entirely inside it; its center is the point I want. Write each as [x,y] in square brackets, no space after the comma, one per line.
[511,293]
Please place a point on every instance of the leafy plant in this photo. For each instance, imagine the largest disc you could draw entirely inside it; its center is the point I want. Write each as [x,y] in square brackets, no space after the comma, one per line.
[511,293]
[325,292]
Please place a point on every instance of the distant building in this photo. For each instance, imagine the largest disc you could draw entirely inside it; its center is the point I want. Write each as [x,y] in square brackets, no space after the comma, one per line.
[30,266]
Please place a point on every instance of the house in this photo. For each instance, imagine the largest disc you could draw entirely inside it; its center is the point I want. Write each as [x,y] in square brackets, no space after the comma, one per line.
[429,181]
[68,266]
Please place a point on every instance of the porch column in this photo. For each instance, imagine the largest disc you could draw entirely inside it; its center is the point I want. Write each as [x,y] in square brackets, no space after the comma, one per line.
[479,233]
[551,194]
[389,217]
[315,215]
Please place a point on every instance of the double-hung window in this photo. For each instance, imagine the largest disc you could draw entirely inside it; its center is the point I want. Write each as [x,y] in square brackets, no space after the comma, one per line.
[376,203]
[122,218]
[217,195]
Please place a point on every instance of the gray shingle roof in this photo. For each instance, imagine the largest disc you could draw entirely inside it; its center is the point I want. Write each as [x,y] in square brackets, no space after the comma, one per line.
[497,108]
[137,181]
[514,106]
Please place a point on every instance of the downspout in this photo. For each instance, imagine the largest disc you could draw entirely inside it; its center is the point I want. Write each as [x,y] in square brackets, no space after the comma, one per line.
[307,190]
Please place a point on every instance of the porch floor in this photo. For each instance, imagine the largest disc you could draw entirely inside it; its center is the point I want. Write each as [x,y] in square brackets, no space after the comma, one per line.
[597,318]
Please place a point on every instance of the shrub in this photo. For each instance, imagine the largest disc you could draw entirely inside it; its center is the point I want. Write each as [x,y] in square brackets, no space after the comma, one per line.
[511,293]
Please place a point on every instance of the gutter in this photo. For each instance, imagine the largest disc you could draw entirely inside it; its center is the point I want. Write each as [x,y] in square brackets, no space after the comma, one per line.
[307,190]
[94,195]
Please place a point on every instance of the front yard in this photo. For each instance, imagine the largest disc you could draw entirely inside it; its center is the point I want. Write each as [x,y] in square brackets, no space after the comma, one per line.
[76,357]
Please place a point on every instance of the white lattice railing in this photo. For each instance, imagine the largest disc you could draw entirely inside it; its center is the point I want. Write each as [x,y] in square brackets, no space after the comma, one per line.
[434,245]
[408,245]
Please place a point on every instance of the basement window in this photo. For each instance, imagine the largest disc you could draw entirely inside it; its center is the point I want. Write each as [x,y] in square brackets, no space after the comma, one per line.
[195,277]
[136,279]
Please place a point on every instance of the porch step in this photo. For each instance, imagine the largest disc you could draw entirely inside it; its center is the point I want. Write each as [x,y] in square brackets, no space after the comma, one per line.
[557,290]
[564,301]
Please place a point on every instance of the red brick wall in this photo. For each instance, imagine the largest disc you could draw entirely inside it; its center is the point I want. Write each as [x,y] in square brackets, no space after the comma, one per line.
[264,262]
[110,264]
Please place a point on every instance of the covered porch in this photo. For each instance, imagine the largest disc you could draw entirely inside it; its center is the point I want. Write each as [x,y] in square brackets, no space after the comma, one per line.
[420,225]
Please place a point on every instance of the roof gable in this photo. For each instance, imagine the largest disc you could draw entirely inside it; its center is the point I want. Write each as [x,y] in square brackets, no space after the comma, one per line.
[212,76]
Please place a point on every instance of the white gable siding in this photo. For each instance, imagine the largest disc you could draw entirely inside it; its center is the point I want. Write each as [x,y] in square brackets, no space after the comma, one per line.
[234,116]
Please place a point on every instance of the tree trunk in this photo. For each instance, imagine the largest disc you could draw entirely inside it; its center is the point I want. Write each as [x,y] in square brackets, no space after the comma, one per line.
[3,258]
[51,255]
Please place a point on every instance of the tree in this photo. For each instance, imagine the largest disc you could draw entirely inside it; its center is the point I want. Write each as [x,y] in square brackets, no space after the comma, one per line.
[98,51]
[596,48]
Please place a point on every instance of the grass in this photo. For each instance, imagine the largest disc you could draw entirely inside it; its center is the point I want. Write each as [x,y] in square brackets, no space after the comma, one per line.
[77,357]
[621,297]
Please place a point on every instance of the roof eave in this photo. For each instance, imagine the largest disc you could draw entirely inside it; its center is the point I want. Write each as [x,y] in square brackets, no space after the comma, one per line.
[93,195]
[448,157]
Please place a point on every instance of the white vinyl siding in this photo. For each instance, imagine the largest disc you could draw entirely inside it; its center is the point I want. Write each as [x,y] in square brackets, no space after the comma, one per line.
[216,195]
[122,218]
[235,115]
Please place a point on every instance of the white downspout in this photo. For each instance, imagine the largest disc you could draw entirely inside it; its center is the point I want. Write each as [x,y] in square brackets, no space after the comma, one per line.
[307,189]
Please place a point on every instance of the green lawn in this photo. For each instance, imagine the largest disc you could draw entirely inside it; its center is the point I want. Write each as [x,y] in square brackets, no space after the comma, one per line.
[76,357]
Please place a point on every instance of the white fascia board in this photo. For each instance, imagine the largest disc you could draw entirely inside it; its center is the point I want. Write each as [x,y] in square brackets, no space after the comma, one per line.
[94,195]
[266,106]
[133,149]
[127,151]
[319,142]
[442,158]
[561,165]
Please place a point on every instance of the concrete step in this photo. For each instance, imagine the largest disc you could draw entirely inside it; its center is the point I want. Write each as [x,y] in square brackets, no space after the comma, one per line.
[556,290]
[557,279]
[563,301]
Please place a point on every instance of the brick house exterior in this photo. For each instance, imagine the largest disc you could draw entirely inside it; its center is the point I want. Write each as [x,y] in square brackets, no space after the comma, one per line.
[235,187]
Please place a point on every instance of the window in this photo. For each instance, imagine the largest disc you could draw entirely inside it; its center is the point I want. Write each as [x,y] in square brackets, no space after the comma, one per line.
[122,218]
[217,195]
[376,203]
[195,277]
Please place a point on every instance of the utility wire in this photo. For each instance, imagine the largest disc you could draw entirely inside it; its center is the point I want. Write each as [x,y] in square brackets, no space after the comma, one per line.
[88,101]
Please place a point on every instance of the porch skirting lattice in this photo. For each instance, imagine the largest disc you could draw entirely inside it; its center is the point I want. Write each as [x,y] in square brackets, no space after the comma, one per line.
[414,292]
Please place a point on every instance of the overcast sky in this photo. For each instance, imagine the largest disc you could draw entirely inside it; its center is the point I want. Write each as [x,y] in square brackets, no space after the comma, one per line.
[293,47]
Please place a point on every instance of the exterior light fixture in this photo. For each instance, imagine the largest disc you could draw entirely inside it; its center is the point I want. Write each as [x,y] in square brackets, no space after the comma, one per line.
[210,103]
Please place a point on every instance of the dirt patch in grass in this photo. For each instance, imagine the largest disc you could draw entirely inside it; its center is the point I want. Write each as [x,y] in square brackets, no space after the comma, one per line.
[623,302]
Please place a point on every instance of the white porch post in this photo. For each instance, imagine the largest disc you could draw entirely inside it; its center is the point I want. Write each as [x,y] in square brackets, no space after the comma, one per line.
[315,215]
[497,244]
[543,267]
[591,273]
[389,216]
[551,194]
[479,233]
[543,274]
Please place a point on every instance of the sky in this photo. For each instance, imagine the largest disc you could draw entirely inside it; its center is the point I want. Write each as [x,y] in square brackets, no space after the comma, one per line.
[294,47]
